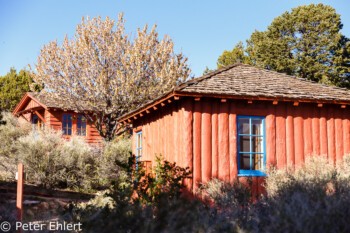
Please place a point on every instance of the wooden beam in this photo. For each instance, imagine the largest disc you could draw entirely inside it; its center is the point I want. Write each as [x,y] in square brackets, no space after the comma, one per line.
[197,99]
[176,97]
[343,106]
[250,101]
[320,105]
[223,100]
[296,103]
[275,102]
[40,116]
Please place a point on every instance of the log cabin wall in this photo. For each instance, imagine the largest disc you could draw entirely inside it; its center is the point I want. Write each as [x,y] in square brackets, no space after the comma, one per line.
[202,134]
[54,119]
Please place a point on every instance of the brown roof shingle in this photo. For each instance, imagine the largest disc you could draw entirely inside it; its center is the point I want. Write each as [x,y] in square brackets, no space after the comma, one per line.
[241,80]
[51,102]
[246,80]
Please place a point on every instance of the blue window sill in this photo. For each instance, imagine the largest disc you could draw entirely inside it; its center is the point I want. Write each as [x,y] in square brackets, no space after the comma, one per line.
[251,173]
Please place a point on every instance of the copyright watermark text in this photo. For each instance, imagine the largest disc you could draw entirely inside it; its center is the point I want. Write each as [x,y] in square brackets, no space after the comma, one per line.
[35,226]
[5,226]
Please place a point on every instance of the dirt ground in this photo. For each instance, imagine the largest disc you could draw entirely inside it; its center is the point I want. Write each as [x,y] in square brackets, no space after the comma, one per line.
[39,203]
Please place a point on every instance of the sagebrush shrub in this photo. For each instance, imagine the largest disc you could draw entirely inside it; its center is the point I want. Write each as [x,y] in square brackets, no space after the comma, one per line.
[54,162]
[118,150]
[9,134]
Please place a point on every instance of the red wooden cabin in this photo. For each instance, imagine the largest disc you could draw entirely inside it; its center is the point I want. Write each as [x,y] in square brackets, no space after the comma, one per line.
[235,121]
[42,112]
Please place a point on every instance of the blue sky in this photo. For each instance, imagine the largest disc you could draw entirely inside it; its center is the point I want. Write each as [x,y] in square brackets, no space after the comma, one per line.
[202,30]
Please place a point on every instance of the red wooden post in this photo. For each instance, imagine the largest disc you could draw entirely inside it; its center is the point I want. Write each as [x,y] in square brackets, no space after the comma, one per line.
[206,141]
[19,204]
[197,166]
[215,139]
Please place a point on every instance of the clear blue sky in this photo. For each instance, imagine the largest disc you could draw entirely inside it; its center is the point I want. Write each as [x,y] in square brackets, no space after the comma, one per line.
[202,30]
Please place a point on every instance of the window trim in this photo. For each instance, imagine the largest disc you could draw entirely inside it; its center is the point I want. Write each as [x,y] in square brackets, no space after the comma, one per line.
[81,122]
[242,172]
[72,128]
[138,148]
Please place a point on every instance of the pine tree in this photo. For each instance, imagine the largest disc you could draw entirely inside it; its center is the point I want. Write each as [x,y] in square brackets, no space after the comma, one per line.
[12,88]
[305,42]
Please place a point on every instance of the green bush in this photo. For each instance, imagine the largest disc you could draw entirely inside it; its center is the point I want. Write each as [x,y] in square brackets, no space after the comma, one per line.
[143,203]
[163,179]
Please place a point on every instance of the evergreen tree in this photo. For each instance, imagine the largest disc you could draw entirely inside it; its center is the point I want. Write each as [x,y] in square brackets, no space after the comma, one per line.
[305,42]
[236,55]
[12,88]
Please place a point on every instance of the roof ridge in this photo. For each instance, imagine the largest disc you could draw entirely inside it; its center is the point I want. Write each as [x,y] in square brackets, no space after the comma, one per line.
[201,78]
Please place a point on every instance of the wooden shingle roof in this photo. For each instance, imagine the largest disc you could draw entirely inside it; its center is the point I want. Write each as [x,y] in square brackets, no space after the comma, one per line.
[52,102]
[246,80]
[241,81]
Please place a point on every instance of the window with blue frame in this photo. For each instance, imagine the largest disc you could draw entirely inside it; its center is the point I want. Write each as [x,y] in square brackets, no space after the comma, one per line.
[67,124]
[251,145]
[81,125]
[138,148]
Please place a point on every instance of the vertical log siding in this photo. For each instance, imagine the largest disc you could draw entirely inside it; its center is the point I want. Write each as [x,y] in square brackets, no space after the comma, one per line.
[202,135]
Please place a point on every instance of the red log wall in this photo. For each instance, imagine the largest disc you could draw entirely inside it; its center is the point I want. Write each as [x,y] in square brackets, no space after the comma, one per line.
[54,120]
[203,135]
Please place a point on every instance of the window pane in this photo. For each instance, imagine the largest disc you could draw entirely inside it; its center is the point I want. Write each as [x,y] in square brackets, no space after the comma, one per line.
[244,125]
[64,131]
[257,144]
[244,160]
[78,124]
[64,117]
[139,141]
[258,161]
[83,125]
[83,133]
[79,118]
[69,131]
[70,124]
[244,143]
[257,127]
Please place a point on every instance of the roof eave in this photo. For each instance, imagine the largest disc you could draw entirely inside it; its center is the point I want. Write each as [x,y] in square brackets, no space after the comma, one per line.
[129,116]
[23,101]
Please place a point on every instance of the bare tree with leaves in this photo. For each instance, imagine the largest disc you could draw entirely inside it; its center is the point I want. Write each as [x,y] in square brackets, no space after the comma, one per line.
[106,71]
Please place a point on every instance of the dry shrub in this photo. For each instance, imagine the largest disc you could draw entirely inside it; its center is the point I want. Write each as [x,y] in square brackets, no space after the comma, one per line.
[9,134]
[54,162]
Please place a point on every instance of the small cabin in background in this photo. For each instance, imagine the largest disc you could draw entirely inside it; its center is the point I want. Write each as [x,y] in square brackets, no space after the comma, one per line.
[42,111]
[234,122]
